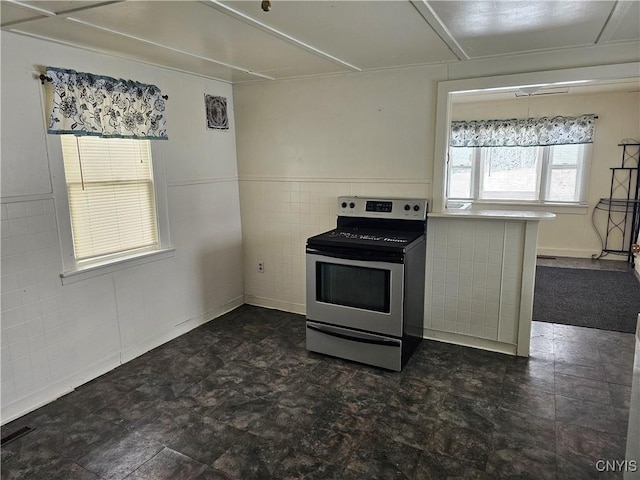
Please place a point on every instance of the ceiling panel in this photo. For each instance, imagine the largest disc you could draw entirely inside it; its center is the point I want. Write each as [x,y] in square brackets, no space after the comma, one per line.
[365,34]
[485,28]
[100,41]
[201,30]
[299,37]
[11,14]
[628,25]
[24,10]
[56,6]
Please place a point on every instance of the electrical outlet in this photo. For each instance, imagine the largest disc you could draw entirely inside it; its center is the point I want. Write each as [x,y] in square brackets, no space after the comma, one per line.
[260,266]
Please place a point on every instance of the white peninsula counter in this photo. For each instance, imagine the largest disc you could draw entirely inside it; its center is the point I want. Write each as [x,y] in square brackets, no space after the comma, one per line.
[480,276]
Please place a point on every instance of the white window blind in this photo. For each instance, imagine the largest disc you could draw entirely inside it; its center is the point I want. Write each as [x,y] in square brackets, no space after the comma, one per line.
[111,196]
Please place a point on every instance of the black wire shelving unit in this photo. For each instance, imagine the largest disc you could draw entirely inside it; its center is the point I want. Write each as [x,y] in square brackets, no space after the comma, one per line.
[622,207]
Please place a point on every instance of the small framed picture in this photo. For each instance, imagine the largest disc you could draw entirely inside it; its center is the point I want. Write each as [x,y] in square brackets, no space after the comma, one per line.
[216,109]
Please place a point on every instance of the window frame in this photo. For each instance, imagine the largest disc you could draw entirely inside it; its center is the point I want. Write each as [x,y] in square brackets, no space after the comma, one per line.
[544,182]
[447,88]
[76,270]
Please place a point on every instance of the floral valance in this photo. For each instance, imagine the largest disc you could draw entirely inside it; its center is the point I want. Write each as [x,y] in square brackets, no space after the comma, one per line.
[523,133]
[87,104]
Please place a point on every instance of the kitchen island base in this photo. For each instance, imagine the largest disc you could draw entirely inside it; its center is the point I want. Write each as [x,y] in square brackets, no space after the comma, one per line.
[480,279]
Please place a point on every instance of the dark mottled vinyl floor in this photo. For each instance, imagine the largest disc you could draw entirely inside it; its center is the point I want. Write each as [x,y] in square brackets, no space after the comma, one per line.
[241,398]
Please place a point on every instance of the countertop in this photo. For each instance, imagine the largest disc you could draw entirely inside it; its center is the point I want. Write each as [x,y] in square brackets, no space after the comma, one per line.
[473,213]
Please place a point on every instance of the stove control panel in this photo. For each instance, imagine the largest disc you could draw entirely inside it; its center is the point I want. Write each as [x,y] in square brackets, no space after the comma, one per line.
[392,208]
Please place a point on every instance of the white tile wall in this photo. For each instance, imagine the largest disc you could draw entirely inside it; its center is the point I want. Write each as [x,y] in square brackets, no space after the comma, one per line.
[56,337]
[277,218]
[48,331]
[465,291]
[29,243]
[512,281]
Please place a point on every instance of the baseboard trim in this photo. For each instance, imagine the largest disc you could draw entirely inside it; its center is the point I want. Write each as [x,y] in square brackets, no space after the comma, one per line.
[33,401]
[135,351]
[468,341]
[568,252]
[276,304]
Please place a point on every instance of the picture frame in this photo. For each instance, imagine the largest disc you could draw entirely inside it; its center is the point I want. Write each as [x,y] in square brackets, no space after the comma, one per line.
[216,112]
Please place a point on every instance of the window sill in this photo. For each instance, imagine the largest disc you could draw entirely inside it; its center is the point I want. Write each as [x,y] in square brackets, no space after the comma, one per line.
[93,270]
[557,208]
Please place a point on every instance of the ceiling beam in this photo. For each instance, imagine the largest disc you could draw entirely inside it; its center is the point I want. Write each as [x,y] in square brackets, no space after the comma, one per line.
[434,21]
[238,15]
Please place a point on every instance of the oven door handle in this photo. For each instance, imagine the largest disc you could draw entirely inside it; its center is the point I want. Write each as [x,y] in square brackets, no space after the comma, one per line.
[354,338]
[357,255]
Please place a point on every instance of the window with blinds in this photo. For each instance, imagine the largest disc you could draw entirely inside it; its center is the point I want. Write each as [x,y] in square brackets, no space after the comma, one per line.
[111,196]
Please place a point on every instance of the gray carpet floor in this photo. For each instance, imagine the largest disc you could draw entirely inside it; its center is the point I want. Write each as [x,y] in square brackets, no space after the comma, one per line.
[607,300]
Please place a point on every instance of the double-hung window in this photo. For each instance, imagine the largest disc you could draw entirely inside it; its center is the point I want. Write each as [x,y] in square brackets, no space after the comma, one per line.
[111,196]
[534,160]
[520,174]
[116,199]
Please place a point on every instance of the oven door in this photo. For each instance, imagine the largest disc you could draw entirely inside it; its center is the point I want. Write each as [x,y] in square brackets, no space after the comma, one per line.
[365,294]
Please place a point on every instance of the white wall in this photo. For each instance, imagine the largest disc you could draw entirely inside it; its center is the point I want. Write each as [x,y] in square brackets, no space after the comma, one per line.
[300,143]
[56,337]
[573,235]
[303,142]
[637,258]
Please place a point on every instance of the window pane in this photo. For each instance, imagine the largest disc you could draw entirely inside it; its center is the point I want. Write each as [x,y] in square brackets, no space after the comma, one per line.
[565,155]
[111,195]
[563,172]
[460,168]
[562,184]
[510,173]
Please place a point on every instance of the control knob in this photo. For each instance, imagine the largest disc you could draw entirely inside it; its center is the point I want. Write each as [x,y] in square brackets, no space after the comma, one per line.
[352,205]
[407,207]
[344,204]
[416,207]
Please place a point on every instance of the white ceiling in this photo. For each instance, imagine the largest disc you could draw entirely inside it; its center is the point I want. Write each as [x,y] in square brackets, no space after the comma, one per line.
[629,85]
[235,41]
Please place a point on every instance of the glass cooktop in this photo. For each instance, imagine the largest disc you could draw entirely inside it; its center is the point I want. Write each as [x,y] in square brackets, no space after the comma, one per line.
[356,238]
